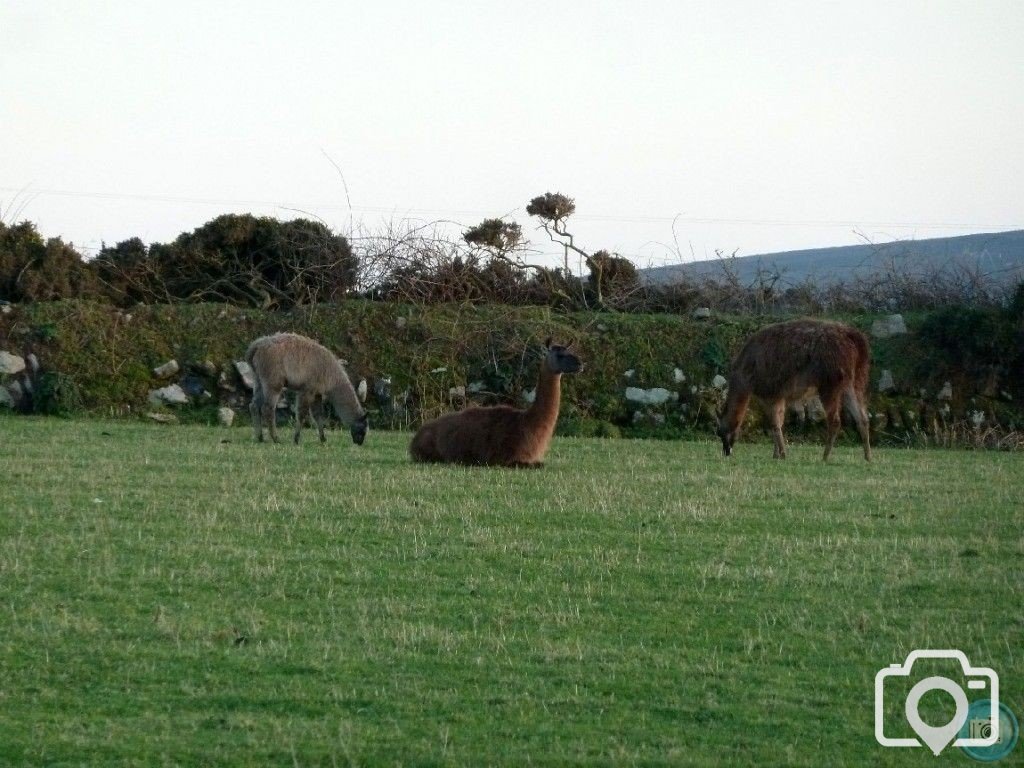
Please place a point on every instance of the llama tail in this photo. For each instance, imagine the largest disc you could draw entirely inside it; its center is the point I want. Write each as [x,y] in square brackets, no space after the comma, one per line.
[250,353]
[863,361]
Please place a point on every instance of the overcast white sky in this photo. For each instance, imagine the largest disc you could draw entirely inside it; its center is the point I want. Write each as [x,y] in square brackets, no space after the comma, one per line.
[763,126]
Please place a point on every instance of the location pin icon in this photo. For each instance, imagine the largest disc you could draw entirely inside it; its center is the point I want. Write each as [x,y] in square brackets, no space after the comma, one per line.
[936,738]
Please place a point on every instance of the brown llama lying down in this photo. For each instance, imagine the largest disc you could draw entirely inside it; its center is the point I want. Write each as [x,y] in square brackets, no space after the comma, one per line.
[289,361]
[500,435]
[787,362]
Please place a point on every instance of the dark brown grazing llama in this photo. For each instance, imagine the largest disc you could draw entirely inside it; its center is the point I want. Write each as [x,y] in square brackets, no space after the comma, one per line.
[500,435]
[788,362]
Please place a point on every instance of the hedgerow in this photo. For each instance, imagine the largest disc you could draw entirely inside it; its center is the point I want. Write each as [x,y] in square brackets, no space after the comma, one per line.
[422,360]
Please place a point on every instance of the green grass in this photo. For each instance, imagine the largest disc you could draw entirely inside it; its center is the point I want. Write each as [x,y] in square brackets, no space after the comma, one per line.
[185,596]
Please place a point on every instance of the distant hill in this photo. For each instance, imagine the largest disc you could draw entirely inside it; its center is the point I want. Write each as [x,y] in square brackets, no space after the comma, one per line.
[998,256]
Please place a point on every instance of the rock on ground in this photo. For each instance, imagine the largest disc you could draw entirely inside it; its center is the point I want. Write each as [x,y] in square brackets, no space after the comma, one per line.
[11,363]
[170,395]
[166,370]
[17,391]
[891,325]
[225,416]
[886,382]
[654,396]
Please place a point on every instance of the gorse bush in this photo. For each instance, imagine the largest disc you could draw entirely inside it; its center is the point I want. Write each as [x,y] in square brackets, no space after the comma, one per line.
[244,260]
[56,394]
[34,269]
[977,342]
[969,337]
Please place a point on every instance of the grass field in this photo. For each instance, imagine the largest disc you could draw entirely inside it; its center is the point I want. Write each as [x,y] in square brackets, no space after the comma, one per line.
[185,596]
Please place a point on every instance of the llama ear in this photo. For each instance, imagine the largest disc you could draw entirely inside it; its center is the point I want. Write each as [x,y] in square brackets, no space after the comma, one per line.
[547,343]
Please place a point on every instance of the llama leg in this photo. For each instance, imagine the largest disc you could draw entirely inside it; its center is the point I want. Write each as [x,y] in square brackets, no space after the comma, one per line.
[317,410]
[301,411]
[270,413]
[256,412]
[855,407]
[777,413]
[865,434]
[830,401]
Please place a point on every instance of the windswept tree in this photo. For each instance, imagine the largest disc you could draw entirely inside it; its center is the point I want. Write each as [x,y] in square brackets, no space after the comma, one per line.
[613,279]
[553,209]
[501,248]
[496,235]
[609,276]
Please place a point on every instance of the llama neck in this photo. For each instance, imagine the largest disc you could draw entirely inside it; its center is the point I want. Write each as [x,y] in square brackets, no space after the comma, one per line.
[544,412]
[735,404]
[343,399]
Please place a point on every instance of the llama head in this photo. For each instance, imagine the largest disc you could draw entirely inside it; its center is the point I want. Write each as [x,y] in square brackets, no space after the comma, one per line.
[559,359]
[728,435]
[358,430]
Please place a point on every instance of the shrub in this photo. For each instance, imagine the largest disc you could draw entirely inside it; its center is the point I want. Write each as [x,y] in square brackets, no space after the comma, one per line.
[238,259]
[32,269]
[969,338]
[584,427]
